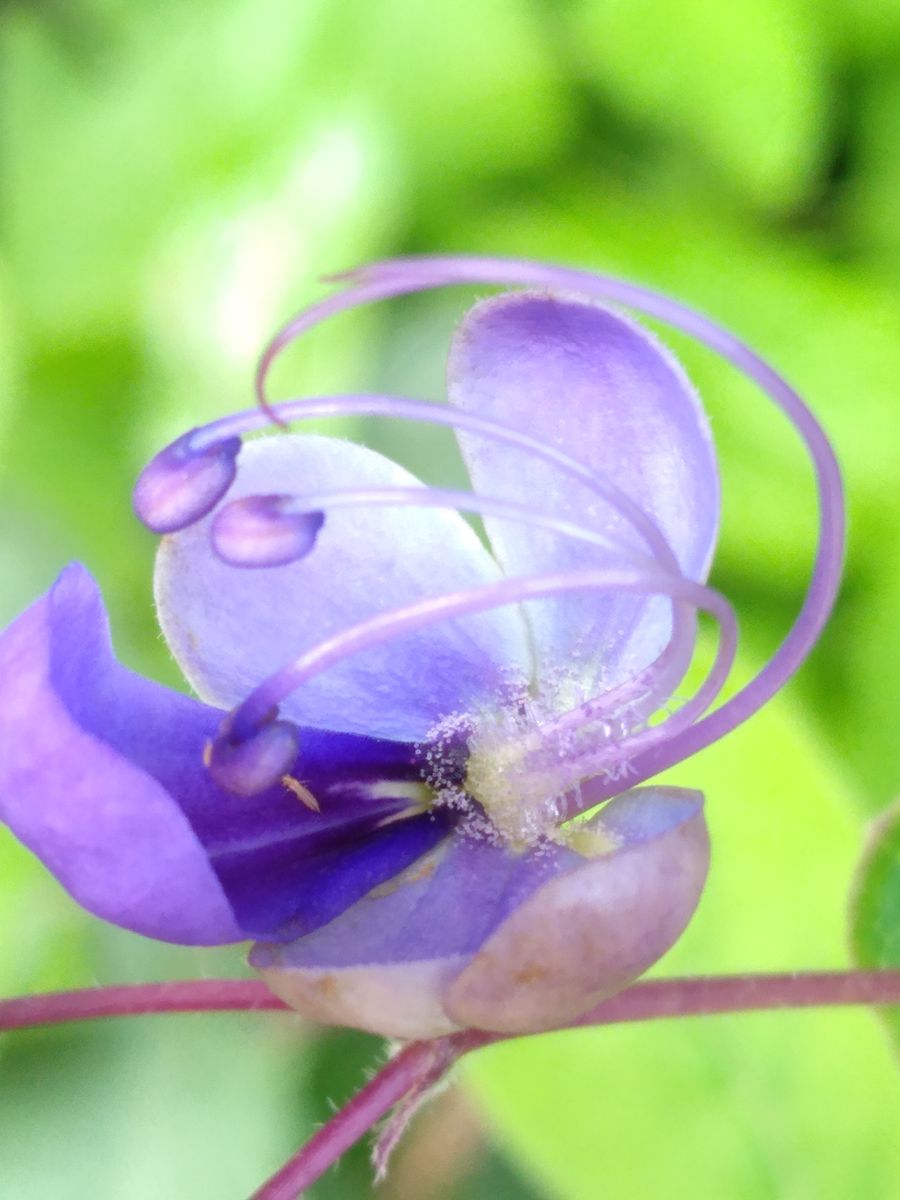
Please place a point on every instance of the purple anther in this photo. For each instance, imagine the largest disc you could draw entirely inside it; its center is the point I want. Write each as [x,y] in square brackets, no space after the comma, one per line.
[184,481]
[264,531]
[248,766]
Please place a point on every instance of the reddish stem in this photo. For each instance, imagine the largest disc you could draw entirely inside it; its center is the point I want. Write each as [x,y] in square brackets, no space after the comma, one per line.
[744,993]
[402,1075]
[190,995]
[658,998]
[427,1061]
[645,1001]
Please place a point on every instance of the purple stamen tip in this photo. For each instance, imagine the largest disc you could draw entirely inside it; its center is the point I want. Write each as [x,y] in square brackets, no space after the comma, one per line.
[264,531]
[183,482]
[250,765]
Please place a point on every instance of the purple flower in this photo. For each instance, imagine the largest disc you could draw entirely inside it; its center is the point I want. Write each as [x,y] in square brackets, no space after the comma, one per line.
[386,782]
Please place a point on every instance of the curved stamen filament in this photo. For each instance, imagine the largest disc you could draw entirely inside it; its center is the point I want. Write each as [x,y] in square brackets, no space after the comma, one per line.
[373,631]
[244,722]
[615,760]
[404,408]
[450,498]
[641,693]
[405,276]
[408,409]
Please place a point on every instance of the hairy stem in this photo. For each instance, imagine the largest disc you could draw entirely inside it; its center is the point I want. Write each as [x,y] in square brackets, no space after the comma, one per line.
[404,1074]
[190,995]
[658,998]
[745,993]
[421,1064]
[646,1001]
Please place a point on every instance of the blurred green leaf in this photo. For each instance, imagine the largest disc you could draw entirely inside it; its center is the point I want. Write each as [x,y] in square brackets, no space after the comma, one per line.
[871,197]
[10,349]
[175,1107]
[43,937]
[741,1106]
[164,107]
[741,85]
[867,30]
[875,904]
[866,650]
[466,89]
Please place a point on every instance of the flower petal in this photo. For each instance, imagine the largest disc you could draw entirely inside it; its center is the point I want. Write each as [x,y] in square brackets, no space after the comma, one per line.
[384,964]
[109,832]
[594,385]
[593,930]
[101,774]
[478,935]
[231,627]
[284,891]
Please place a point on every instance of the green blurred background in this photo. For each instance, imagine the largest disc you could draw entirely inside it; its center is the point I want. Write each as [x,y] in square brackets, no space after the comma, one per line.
[175,176]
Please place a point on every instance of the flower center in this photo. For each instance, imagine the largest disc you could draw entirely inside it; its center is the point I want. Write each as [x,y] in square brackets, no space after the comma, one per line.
[507,768]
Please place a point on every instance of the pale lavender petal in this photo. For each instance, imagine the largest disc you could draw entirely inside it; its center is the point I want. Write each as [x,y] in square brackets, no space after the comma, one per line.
[231,627]
[593,384]
[395,1000]
[476,934]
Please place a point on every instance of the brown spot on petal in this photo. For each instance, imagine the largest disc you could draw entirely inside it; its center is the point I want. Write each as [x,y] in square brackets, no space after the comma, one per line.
[327,988]
[533,973]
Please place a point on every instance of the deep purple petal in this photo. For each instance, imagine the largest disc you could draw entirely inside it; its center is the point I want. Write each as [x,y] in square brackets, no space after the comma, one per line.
[231,627]
[286,893]
[109,832]
[597,387]
[476,934]
[124,813]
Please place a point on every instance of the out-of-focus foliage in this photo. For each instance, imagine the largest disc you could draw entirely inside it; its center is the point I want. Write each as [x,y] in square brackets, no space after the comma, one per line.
[875,912]
[175,176]
[740,87]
